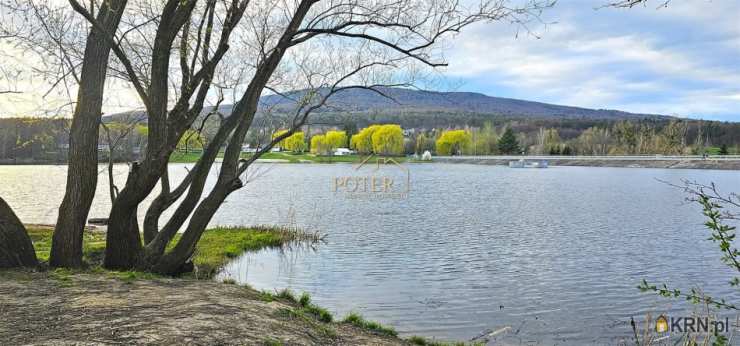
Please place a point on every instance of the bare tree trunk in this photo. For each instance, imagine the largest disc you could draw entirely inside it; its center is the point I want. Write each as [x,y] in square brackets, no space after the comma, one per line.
[163,201]
[228,180]
[16,249]
[194,182]
[123,242]
[171,262]
[82,172]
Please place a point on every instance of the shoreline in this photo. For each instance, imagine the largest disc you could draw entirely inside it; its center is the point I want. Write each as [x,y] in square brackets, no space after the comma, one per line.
[95,305]
[721,164]
[672,162]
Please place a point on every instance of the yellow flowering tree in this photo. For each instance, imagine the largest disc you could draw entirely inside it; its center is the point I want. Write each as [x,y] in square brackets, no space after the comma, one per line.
[191,140]
[336,139]
[295,142]
[453,142]
[363,142]
[388,140]
[319,145]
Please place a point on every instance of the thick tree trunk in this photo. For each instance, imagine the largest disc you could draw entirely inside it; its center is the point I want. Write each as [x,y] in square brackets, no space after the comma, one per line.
[123,246]
[16,249]
[123,242]
[82,172]
[172,262]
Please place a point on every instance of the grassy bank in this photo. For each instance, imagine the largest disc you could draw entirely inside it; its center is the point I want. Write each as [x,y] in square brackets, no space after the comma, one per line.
[216,247]
[221,244]
[307,158]
[286,157]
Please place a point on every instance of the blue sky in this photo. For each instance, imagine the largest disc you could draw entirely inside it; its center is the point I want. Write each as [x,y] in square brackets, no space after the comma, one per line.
[681,60]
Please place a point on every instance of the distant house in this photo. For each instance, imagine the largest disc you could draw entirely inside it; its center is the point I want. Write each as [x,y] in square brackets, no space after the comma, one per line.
[343,152]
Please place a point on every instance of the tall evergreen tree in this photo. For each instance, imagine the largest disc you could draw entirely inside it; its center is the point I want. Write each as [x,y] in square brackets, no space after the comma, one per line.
[723,150]
[508,144]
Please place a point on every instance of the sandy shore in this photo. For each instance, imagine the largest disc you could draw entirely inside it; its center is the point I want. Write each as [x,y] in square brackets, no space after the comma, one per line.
[92,309]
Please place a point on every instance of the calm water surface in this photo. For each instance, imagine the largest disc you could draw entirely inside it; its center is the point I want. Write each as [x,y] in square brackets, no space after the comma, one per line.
[554,253]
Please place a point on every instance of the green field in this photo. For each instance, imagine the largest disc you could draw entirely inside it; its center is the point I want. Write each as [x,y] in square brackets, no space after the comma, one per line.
[288,157]
[306,157]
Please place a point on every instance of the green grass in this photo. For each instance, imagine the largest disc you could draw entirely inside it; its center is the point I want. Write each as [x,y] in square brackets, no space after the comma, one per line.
[216,247]
[375,327]
[93,243]
[62,275]
[716,150]
[219,245]
[181,157]
[306,157]
[303,157]
[712,150]
[319,313]
[304,306]
[300,314]
[287,295]
[289,157]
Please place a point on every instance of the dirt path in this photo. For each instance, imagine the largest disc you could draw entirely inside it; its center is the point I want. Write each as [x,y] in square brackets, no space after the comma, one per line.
[46,309]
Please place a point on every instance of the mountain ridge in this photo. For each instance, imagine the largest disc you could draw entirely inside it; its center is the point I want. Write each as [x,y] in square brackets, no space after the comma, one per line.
[400,101]
[363,100]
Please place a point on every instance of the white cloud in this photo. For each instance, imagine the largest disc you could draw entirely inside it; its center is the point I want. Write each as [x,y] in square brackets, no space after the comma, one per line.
[683,60]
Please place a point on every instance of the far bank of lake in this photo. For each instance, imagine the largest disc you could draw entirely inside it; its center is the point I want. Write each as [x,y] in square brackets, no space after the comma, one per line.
[720,162]
[727,162]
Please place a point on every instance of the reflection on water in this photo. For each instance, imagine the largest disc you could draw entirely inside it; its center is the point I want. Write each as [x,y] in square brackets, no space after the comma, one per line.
[555,253]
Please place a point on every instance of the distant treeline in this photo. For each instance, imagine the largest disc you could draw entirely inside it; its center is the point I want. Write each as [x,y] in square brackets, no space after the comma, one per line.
[29,140]
[47,139]
[34,138]
[556,135]
[675,137]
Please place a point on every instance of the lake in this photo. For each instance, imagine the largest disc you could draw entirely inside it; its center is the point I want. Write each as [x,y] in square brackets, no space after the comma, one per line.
[556,254]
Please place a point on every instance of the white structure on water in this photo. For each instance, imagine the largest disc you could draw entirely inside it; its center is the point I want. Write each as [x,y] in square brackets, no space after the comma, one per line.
[522,163]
